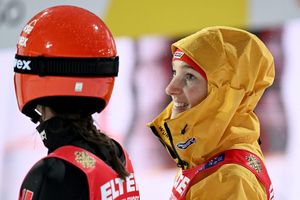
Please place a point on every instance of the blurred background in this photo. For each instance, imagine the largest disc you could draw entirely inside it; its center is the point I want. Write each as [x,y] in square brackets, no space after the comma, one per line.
[144,31]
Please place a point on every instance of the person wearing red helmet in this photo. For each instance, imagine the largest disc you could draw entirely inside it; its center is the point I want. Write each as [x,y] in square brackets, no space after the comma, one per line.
[65,65]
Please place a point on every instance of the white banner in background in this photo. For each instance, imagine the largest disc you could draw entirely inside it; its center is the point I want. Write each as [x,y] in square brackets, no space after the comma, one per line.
[291,94]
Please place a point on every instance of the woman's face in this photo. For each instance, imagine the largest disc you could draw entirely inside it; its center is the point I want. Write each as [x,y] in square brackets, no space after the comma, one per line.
[187,87]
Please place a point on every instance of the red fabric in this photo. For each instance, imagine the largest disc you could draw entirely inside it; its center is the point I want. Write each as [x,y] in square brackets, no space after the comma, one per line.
[179,55]
[26,195]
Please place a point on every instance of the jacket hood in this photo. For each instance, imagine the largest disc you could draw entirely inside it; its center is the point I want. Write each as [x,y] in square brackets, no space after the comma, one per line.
[239,68]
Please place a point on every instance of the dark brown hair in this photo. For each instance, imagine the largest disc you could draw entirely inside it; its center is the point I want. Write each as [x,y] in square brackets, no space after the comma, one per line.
[84,126]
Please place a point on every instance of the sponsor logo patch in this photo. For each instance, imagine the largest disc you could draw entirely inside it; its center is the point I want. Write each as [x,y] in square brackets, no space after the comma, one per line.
[184,145]
[178,54]
[254,163]
[213,162]
[85,159]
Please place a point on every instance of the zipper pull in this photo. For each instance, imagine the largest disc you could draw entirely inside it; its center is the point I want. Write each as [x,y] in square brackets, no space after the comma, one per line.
[183,130]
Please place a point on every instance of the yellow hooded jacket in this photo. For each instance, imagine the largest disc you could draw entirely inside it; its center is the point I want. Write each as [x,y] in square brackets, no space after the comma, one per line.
[239,68]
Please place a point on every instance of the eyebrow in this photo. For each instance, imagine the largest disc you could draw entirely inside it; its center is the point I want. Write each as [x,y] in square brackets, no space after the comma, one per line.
[187,66]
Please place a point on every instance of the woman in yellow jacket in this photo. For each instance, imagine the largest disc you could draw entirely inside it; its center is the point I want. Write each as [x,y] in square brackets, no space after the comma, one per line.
[210,128]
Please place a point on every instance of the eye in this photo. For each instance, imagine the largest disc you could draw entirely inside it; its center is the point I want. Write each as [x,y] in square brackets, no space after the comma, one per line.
[189,77]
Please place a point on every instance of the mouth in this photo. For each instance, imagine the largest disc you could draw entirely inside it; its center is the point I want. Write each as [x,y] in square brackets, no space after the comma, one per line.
[180,107]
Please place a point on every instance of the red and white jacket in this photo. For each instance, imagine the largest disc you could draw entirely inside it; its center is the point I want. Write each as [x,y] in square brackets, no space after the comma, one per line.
[103,182]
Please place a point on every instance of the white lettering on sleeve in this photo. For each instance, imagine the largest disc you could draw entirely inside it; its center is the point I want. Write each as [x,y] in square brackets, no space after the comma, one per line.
[106,191]
[120,185]
[130,183]
[182,185]
[115,193]
[115,188]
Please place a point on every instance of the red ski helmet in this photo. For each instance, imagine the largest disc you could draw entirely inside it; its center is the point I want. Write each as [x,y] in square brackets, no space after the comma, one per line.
[65,56]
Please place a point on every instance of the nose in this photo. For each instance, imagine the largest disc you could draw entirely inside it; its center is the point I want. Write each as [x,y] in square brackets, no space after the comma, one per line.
[174,87]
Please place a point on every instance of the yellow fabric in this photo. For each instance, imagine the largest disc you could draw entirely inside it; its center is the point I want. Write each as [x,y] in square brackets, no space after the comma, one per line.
[230,182]
[239,68]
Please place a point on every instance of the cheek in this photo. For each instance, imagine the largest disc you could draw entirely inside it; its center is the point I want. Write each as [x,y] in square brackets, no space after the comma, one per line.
[196,95]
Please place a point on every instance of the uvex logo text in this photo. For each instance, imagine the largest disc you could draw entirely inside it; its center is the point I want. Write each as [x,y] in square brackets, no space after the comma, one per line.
[22,64]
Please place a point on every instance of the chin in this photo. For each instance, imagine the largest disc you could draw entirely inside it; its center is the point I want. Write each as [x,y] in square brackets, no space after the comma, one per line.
[174,115]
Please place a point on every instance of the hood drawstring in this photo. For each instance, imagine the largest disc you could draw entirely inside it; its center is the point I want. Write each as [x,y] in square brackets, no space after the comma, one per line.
[181,163]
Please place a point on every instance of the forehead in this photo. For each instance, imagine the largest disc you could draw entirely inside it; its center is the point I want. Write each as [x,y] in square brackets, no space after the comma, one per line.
[181,65]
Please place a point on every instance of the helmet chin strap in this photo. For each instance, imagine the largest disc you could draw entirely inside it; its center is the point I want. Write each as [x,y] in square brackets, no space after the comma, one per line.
[34,115]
